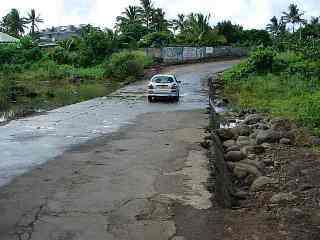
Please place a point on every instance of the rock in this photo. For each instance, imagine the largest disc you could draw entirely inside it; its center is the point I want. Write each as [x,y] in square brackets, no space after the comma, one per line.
[205,144]
[253,135]
[255,149]
[295,215]
[285,141]
[251,156]
[306,187]
[243,141]
[281,124]
[233,148]
[241,170]
[229,143]
[258,149]
[268,161]
[234,156]
[289,135]
[283,197]
[224,134]
[252,119]
[261,182]
[268,136]
[315,140]
[258,164]
[315,218]
[244,130]
[260,126]
[266,145]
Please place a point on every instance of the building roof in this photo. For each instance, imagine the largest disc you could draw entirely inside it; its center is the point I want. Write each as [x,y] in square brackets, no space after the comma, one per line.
[5,38]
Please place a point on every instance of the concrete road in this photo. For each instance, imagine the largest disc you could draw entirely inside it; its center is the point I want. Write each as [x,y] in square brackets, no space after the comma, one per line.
[122,168]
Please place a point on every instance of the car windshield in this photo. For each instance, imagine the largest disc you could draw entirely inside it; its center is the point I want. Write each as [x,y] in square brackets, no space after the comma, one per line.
[163,79]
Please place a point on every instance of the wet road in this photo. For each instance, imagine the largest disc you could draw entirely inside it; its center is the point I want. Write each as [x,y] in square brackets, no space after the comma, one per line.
[28,142]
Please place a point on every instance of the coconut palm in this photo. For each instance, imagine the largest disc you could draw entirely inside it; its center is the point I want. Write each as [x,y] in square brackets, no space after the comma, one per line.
[179,23]
[293,16]
[33,19]
[275,26]
[13,24]
[315,20]
[158,21]
[198,24]
[147,10]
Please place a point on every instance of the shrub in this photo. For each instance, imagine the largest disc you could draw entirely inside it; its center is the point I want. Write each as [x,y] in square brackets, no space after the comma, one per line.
[127,64]
[155,39]
[262,59]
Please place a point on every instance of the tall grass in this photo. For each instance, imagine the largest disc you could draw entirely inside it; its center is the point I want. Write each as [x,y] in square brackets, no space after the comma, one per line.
[283,91]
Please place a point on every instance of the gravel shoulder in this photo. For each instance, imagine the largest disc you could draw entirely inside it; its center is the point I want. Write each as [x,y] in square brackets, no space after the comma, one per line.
[131,184]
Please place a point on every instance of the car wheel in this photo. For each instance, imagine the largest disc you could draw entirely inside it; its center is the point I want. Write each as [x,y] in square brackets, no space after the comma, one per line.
[150,99]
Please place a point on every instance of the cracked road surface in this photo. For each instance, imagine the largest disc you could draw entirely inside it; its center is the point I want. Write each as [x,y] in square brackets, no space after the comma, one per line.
[140,182]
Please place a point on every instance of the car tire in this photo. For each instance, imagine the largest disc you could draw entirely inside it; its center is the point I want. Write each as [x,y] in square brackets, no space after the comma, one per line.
[150,99]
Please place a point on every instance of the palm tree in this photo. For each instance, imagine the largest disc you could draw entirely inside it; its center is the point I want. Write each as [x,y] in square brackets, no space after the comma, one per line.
[315,20]
[294,16]
[275,26]
[198,24]
[147,9]
[158,21]
[33,19]
[179,23]
[13,24]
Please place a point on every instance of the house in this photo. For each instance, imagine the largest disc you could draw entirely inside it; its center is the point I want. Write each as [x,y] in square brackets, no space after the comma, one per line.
[5,38]
[50,36]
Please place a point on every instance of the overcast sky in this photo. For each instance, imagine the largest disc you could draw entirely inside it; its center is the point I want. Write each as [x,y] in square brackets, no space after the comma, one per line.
[250,13]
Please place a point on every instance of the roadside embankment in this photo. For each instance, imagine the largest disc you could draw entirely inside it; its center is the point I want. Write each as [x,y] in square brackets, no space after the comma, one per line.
[272,177]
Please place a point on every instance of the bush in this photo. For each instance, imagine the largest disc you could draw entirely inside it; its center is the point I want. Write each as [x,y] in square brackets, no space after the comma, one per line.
[127,64]
[262,59]
[155,39]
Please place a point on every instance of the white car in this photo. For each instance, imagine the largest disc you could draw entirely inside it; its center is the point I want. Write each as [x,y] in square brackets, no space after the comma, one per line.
[164,86]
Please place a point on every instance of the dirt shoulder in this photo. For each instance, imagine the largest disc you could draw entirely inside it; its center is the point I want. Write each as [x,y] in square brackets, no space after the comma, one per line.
[126,185]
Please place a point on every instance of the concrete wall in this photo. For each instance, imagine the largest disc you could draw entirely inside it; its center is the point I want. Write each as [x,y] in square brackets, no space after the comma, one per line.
[188,54]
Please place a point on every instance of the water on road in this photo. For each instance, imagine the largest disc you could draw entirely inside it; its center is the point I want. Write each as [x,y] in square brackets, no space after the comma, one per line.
[28,142]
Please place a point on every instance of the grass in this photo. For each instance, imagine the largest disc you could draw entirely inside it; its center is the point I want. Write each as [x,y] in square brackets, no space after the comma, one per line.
[292,95]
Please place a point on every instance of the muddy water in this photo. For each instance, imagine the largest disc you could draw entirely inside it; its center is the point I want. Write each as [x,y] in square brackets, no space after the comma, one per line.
[28,142]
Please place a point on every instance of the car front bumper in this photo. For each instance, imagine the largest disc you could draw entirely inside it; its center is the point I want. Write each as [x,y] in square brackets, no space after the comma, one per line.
[162,94]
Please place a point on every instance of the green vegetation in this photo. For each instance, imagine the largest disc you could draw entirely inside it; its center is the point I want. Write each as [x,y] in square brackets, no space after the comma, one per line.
[284,79]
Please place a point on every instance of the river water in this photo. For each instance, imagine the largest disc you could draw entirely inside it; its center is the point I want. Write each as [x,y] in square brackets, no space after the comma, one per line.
[29,142]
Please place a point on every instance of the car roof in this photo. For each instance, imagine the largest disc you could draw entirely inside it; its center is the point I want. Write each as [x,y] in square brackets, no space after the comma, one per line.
[163,75]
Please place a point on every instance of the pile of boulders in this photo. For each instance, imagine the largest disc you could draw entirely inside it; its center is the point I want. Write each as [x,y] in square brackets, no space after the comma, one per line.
[245,146]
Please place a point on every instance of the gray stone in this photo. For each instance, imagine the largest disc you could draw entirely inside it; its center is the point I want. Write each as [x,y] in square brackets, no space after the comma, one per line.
[260,126]
[233,148]
[234,156]
[268,161]
[268,136]
[281,124]
[261,182]
[242,170]
[229,143]
[285,141]
[243,141]
[252,119]
[315,140]
[244,130]
[258,149]
[224,134]
[283,197]
[258,164]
